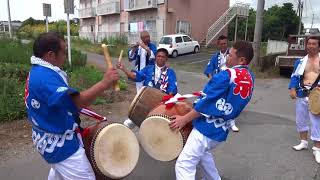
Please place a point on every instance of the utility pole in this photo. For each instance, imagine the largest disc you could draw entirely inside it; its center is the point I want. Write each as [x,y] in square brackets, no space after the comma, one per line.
[246,33]
[312,20]
[236,30]
[9,19]
[300,7]
[258,33]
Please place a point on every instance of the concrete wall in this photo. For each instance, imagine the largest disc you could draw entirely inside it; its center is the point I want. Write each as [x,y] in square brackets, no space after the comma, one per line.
[277,47]
[201,14]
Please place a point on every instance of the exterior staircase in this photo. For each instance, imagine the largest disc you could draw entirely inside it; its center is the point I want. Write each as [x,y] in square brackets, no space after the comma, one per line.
[237,10]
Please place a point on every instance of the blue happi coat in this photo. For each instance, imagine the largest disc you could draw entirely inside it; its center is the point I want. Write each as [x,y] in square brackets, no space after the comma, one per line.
[136,57]
[214,65]
[51,111]
[167,82]
[226,95]
[296,80]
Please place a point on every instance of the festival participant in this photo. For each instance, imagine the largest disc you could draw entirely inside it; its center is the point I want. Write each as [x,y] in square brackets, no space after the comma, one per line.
[218,63]
[225,96]
[305,73]
[142,54]
[53,109]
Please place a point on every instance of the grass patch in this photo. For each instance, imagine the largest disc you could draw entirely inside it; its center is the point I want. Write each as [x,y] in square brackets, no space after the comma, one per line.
[15,65]
[88,46]
[11,99]
[12,51]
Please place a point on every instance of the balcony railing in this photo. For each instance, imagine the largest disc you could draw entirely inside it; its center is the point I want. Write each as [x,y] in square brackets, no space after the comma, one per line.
[87,12]
[133,5]
[109,8]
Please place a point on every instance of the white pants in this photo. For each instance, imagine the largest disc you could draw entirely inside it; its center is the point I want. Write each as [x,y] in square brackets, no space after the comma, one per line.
[75,167]
[139,85]
[232,122]
[304,116]
[197,151]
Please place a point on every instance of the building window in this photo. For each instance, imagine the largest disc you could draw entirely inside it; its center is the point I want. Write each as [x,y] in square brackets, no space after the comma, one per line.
[183,27]
[92,28]
[150,26]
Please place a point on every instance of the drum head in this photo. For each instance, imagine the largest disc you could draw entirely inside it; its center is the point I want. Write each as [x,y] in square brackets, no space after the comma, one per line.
[116,151]
[158,140]
[314,101]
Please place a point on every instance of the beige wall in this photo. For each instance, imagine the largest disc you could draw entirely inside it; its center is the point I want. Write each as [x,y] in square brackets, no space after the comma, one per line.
[200,13]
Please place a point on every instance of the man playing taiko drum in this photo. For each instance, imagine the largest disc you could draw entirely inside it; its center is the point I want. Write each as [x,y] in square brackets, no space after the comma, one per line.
[53,109]
[226,95]
[157,76]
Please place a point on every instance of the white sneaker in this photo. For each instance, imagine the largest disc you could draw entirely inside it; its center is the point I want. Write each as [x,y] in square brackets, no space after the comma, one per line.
[316,153]
[129,124]
[234,128]
[303,145]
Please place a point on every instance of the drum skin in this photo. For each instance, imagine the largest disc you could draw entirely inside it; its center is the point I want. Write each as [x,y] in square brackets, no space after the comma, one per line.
[181,109]
[90,139]
[156,137]
[147,99]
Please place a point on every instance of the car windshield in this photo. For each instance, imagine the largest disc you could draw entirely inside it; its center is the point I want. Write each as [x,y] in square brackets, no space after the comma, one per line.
[165,40]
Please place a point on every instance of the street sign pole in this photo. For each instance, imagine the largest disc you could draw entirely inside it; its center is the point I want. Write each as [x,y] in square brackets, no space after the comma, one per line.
[47,13]
[47,26]
[69,9]
[69,42]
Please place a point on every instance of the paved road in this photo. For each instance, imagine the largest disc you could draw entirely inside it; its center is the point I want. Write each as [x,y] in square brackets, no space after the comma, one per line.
[260,151]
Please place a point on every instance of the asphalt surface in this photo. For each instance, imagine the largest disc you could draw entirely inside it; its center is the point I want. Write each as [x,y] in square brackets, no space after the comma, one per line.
[260,151]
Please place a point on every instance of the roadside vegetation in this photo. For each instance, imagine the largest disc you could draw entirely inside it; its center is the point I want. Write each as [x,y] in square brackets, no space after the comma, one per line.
[14,68]
[118,43]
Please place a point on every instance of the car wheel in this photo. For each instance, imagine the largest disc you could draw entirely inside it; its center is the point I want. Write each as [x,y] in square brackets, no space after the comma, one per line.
[196,49]
[174,54]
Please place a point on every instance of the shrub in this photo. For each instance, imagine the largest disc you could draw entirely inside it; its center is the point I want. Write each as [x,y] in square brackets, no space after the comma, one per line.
[116,40]
[84,77]
[123,84]
[15,71]
[78,59]
[11,99]
[14,52]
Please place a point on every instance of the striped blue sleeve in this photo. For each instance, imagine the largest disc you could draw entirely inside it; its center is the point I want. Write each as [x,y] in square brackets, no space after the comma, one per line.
[295,80]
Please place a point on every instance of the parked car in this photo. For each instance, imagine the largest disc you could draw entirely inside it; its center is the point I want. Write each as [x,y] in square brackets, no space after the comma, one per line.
[177,44]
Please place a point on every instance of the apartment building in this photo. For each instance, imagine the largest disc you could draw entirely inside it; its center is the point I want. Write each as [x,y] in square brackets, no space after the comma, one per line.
[104,18]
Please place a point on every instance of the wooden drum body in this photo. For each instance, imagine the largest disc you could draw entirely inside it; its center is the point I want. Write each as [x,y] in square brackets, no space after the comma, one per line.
[147,99]
[156,137]
[314,101]
[112,149]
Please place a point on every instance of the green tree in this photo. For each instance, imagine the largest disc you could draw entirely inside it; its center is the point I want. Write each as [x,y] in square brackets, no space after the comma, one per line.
[242,27]
[278,23]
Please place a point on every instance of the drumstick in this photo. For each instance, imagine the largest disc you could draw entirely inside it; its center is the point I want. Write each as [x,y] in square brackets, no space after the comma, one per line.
[120,56]
[109,63]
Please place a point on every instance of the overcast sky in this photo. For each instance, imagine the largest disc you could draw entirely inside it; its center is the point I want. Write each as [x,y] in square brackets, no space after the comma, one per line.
[23,9]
